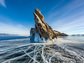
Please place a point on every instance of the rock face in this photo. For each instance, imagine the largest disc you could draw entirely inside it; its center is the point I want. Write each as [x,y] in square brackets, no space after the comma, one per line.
[42,30]
[60,34]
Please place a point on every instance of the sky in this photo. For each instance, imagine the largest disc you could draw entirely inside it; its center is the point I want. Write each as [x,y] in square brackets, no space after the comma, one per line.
[66,16]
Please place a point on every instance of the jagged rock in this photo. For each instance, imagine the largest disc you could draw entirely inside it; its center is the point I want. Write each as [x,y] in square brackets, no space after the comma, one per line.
[42,30]
[32,32]
[60,34]
[63,34]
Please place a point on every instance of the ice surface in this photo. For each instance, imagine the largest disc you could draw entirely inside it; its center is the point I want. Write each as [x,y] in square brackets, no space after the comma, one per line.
[37,38]
[58,51]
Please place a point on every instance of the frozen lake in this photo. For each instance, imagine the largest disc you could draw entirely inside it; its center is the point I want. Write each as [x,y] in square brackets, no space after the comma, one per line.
[68,49]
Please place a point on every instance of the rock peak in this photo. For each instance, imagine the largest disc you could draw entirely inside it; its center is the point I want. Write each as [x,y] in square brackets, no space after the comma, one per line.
[42,30]
[36,9]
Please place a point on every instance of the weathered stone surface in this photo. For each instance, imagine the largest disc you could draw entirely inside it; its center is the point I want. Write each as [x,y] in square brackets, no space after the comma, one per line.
[60,34]
[43,30]
[32,32]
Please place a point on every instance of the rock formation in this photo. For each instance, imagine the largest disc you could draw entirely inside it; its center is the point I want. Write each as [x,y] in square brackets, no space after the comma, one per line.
[42,31]
[60,34]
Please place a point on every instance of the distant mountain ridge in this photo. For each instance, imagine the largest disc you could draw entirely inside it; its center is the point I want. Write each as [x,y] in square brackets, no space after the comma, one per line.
[78,35]
[5,34]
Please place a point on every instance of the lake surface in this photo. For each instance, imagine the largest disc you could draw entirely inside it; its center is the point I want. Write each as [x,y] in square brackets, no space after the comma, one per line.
[74,38]
[16,49]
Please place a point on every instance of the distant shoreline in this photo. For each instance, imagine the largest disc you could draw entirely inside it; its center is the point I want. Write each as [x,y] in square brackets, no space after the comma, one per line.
[12,37]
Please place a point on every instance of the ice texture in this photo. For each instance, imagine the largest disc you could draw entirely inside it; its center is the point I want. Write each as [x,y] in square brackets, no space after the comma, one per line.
[58,51]
[37,38]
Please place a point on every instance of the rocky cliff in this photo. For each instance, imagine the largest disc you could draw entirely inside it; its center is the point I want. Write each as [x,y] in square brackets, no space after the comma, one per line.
[60,34]
[42,31]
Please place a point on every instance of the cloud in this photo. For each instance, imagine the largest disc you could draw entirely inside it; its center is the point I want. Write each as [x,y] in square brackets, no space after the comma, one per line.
[71,26]
[65,9]
[68,18]
[17,29]
[2,3]
[8,25]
